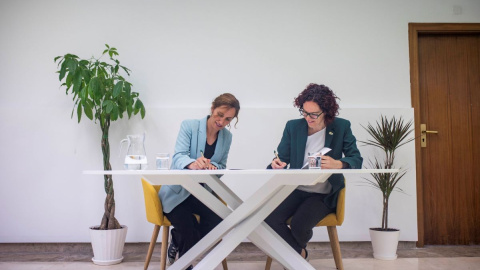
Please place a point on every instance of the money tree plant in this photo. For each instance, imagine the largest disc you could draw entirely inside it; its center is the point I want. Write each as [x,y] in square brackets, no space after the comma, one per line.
[103,95]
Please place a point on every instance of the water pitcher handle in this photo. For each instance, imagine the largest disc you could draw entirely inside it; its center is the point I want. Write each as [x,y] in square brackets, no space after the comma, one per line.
[121,147]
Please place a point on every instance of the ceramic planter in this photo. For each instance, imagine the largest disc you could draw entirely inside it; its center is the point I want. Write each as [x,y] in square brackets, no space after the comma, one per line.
[384,243]
[108,245]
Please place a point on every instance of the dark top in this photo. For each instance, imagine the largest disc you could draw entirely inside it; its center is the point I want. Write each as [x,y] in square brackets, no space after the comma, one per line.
[338,137]
[210,149]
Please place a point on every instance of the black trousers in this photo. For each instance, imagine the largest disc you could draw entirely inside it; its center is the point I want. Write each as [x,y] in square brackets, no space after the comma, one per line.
[306,210]
[187,231]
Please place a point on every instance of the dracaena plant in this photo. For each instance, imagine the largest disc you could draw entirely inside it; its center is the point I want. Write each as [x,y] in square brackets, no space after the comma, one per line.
[388,135]
[101,93]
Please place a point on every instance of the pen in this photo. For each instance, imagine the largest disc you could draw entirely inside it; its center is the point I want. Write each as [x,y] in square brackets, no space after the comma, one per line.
[276,154]
[201,152]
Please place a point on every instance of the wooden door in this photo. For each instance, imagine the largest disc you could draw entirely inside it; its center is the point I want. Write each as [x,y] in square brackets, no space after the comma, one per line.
[448,176]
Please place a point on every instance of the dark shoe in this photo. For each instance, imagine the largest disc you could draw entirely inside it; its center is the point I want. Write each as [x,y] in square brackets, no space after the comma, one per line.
[306,257]
[172,252]
[190,267]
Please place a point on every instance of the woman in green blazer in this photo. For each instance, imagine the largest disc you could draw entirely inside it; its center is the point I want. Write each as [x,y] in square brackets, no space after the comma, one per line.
[318,128]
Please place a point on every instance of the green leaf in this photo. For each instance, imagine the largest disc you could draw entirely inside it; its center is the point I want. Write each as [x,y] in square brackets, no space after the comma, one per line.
[89,95]
[71,65]
[117,89]
[94,86]
[77,80]
[56,58]
[68,81]
[128,90]
[83,94]
[88,110]
[142,111]
[137,106]
[73,109]
[114,114]
[63,70]
[83,63]
[126,70]
[129,110]
[79,112]
[108,105]
[86,75]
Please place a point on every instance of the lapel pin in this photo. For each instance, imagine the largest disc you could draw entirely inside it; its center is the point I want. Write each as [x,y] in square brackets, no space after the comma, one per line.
[330,133]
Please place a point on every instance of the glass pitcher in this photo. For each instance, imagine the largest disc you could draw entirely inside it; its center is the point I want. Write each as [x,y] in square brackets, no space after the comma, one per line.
[136,158]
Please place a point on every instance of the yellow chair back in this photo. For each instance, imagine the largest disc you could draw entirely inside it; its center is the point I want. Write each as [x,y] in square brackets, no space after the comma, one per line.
[336,219]
[153,205]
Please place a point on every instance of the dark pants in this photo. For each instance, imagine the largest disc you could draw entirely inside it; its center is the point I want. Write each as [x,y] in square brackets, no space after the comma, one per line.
[187,230]
[306,210]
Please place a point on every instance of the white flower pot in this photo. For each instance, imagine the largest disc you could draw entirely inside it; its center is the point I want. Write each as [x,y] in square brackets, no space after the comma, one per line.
[384,244]
[108,245]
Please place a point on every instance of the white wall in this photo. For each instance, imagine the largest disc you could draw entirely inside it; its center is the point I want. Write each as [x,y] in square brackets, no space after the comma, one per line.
[183,54]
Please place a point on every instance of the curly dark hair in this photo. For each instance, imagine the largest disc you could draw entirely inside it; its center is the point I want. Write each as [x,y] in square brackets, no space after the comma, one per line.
[323,96]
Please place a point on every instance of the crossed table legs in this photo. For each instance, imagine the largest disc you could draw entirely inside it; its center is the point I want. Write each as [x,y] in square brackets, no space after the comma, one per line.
[246,220]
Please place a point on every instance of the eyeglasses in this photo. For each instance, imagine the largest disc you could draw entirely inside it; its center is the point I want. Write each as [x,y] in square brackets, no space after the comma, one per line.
[312,115]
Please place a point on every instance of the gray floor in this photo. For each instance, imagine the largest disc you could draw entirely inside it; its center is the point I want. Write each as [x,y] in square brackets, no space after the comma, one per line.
[356,255]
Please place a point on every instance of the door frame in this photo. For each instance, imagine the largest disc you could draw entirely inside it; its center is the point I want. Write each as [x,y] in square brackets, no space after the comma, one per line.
[414,30]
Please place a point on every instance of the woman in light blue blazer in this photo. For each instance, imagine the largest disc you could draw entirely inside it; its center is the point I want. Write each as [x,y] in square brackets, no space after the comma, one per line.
[202,144]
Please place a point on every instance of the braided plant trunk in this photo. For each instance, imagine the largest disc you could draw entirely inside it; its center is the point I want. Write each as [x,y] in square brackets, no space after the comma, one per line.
[102,94]
[109,221]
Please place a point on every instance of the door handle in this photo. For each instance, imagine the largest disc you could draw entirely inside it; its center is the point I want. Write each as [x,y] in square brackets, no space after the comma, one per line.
[423,135]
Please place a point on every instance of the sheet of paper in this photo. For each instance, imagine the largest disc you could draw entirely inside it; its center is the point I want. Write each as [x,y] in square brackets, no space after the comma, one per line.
[322,152]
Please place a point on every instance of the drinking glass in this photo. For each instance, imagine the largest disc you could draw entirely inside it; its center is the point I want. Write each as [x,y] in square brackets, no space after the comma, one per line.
[163,161]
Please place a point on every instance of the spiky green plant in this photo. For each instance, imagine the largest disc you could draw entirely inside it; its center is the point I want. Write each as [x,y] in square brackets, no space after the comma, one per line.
[388,135]
[103,94]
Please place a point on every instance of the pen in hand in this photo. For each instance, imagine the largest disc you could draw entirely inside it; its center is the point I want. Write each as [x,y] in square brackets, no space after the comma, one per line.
[208,161]
[276,154]
[277,163]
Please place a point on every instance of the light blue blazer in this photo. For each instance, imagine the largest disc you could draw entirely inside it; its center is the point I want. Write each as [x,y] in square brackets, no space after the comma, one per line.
[190,141]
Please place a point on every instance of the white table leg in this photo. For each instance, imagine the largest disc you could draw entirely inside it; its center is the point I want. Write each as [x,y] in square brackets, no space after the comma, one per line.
[259,198]
[261,236]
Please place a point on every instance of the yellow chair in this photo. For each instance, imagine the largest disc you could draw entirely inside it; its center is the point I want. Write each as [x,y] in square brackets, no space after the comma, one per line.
[331,221]
[154,211]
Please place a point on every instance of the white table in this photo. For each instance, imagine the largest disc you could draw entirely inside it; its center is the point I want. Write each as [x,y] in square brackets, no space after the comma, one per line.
[246,218]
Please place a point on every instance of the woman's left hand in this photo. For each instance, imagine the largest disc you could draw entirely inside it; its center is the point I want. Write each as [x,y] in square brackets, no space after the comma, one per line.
[330,163]
[210,166]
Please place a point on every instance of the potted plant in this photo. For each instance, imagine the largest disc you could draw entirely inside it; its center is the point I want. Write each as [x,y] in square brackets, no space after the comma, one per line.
[388,135]
[103,95]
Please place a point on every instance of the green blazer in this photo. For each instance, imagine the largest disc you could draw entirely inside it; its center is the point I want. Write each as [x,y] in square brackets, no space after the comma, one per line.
[338,137]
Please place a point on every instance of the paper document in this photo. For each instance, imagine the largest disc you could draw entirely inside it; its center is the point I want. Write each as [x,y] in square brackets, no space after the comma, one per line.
[322,152]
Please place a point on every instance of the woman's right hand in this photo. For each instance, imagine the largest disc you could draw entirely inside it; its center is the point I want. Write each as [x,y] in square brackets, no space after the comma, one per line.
[200,164]
[278,164]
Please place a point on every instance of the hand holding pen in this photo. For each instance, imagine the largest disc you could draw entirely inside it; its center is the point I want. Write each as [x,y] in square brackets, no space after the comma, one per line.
[277,163]
[201,163]
[209,166]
